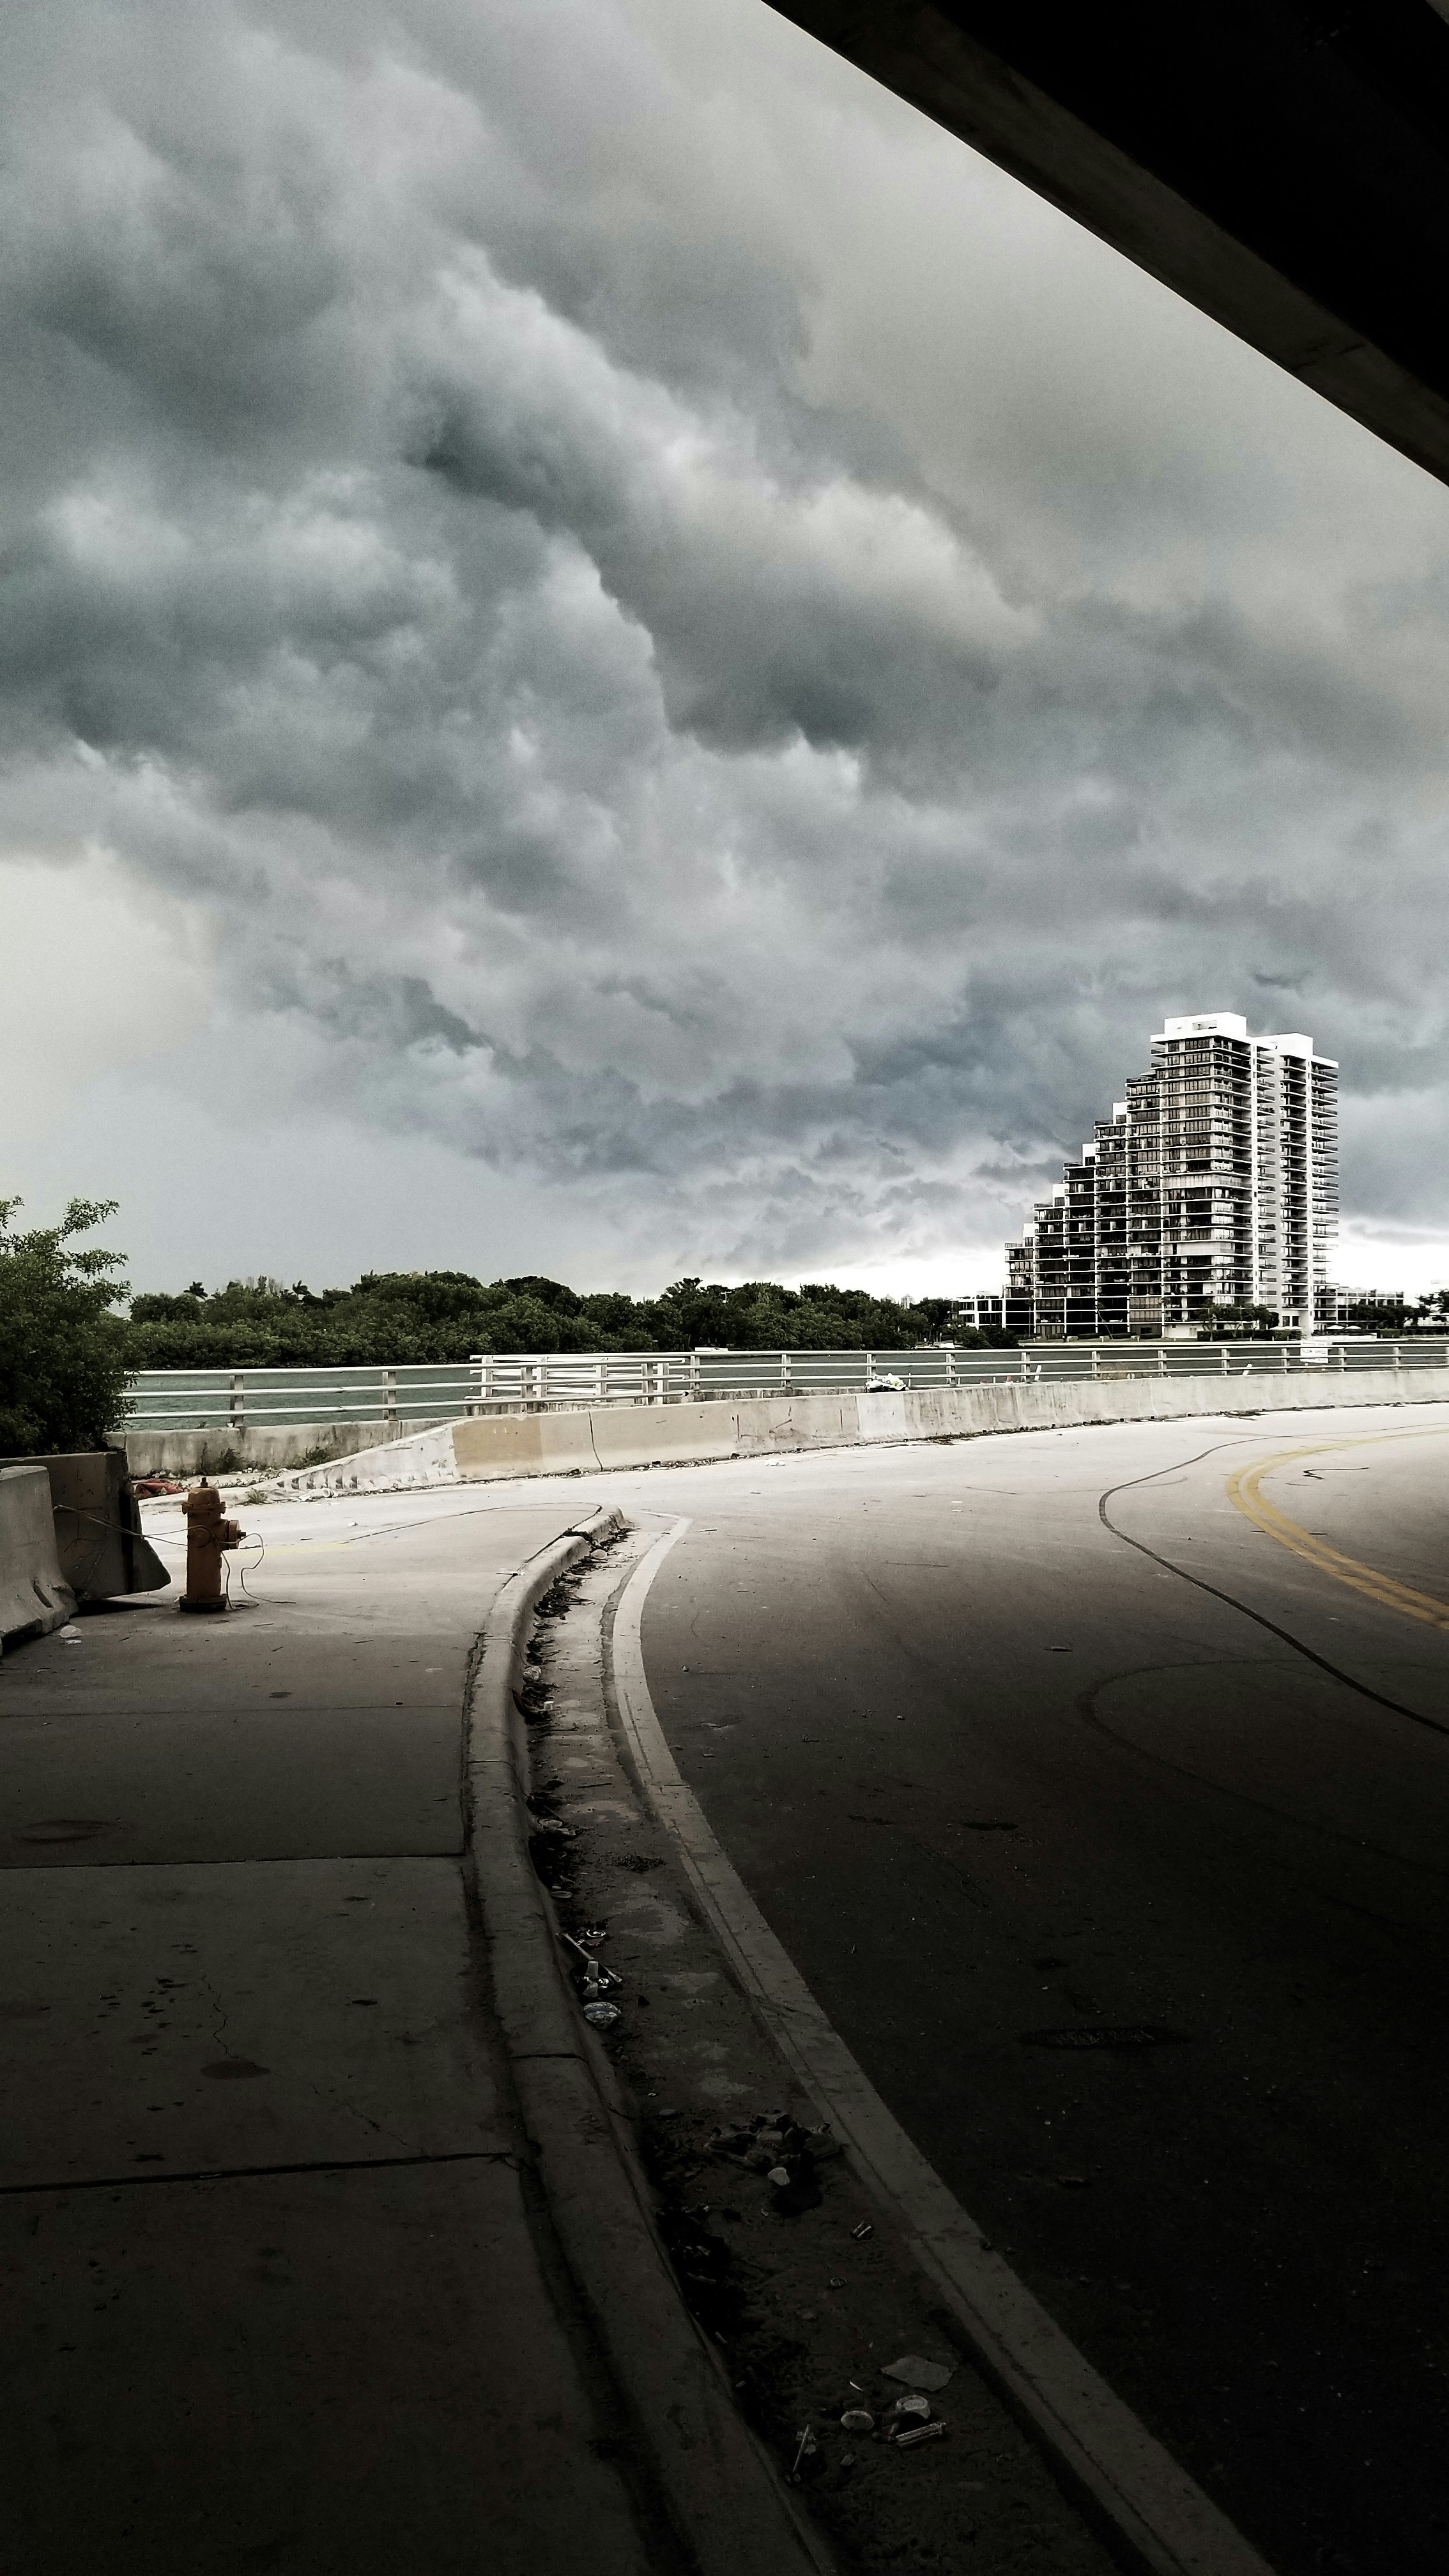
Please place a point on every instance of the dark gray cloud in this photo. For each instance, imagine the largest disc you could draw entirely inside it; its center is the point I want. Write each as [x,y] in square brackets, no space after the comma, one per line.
[696,646]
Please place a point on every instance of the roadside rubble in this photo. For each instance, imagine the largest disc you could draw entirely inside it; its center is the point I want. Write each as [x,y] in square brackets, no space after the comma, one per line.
[915,2373]
[910,2420]
[775,2145]
[824,2325]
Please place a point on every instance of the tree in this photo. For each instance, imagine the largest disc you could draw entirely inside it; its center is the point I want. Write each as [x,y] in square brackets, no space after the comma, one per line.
[1388,1315]
[1242,1322]
[389,1318]
[64,1360]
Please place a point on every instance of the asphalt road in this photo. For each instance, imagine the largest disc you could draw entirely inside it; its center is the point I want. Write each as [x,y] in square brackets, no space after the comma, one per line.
[1131,1904]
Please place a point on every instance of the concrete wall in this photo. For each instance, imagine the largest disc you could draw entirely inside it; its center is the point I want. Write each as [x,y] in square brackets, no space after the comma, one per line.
[32,1593]
[1013,1405]
[492,1446]
[485,1449]
[423,1458]
[640,1435]
[224,1453]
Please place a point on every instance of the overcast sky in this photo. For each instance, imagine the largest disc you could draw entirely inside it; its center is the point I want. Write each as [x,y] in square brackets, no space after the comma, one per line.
[617,658]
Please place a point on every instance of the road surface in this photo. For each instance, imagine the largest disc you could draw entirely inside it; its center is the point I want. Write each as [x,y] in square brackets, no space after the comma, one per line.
[1098,1784]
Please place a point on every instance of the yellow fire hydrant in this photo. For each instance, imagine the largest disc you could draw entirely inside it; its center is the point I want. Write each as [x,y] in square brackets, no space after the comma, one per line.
[207,1538]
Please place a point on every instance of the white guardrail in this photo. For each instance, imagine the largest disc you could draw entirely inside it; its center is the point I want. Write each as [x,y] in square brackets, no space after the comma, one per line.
[239,1399]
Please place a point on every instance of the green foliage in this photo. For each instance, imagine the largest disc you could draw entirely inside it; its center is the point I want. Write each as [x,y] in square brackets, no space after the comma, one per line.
[1395,1316]
[64,1356]
[387,1319]
[1238,1323]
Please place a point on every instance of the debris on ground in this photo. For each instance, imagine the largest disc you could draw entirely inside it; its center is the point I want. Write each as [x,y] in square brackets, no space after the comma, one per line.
[793,2186]
[914,2372]
[597,1978]
[779,2147]
[857,2419]
[771,2138]
[808,2446]
[602,2016]
[533,1703]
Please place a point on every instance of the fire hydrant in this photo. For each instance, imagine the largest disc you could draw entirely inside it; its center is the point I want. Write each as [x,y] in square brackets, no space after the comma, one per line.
[207,1537]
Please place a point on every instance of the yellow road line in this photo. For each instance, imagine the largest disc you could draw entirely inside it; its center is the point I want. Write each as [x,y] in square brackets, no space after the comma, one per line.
[1244,1493]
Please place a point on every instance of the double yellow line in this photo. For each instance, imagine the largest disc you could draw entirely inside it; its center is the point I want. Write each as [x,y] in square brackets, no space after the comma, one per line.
[1244,1492]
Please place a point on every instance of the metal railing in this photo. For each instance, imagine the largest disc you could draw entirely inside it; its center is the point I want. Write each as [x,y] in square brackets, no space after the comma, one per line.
[260,1399]
[1312,1358]
[256,1399]
[673,1377]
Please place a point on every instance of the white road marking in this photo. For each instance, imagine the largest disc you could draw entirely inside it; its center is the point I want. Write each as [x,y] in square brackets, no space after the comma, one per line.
[1151,2503]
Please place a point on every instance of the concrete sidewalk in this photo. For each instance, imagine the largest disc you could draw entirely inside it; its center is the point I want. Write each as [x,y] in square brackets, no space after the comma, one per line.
[277,2293]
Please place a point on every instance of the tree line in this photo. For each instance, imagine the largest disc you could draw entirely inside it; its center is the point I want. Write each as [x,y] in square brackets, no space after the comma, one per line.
[389,1318]
[67,1350]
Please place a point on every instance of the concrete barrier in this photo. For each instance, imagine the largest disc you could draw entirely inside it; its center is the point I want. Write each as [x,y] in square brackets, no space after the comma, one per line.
[99,1541]
[223,1452]
[98,1534]
[488,1447]
[640,1435]
[34,1595]
[422,1458]
[511,1444]
[601,1438]
[1016,1404]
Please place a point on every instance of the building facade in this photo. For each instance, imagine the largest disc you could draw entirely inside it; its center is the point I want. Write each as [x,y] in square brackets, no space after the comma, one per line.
[993,1310]
[1214,1182]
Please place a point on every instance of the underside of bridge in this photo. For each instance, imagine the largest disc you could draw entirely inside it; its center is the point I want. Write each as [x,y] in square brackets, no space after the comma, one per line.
[1284,164]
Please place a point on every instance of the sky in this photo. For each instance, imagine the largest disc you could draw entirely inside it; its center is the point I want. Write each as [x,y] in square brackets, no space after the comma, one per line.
[619,659]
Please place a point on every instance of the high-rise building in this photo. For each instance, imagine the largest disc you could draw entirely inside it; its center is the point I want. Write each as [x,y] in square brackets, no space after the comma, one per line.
[1214,1181]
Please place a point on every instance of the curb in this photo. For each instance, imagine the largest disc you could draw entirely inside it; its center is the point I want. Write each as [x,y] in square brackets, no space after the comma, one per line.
[721,2491]
[1149,2512]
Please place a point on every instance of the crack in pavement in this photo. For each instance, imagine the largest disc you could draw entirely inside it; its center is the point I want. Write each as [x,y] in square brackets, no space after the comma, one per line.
[1086,1708]
[251,2173]
[1364,1689]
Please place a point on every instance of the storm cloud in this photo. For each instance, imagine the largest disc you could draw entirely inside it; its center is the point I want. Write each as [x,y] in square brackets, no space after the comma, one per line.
[684,640]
